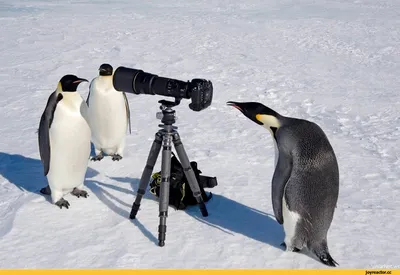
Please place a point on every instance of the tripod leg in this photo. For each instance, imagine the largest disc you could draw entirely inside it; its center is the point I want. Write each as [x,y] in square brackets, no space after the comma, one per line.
[164,189]
[191,177]
[144,180]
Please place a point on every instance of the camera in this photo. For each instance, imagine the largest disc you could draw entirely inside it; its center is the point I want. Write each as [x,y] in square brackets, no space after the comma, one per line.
[135,81]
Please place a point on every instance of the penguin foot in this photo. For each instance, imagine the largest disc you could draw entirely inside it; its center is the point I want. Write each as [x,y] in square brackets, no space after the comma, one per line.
[79,193]
[98,157]
[292,249]
[46,190]
[62,202]
[116,157]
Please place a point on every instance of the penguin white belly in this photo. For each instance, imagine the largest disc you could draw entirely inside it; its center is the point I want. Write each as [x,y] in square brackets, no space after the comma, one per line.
[69,145]
[108,120]
[290,220]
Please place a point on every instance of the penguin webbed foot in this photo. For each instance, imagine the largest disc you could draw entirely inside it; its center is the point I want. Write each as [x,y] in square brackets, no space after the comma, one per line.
[46,190]
[62,202]
[116,157]
[79,193]
[292,249]
[98,157]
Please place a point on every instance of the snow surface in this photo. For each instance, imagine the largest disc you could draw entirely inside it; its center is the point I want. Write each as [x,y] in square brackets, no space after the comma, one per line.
[334,62]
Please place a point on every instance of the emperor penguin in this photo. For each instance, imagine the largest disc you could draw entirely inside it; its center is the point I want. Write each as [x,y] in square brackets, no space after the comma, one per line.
[109,115]
[64,141]
[305,183]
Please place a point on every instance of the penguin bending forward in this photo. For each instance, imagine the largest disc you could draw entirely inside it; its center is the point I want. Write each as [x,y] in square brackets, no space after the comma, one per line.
[109,115]
[64,141]
[305,184]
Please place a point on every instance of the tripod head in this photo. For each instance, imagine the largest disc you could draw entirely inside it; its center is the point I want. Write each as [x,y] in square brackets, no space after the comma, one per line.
[166,103]
[167,114]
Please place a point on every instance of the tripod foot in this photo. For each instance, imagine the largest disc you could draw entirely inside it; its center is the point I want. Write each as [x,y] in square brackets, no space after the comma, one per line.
[162,229]
[135,209]
[161,235]
[203,209]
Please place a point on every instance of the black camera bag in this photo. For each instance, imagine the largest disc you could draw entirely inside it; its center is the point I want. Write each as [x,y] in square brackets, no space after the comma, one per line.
[180,194]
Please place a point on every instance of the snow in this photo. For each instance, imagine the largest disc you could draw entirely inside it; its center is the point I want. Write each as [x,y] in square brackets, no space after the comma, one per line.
[334,62]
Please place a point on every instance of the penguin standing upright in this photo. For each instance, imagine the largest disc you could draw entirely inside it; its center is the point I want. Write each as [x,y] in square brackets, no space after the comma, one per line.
[305,184]
[64,141]
[109,115]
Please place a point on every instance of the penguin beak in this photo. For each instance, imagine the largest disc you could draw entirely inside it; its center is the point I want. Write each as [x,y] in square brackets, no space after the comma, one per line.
[79,80]
[234,105]
[246,109]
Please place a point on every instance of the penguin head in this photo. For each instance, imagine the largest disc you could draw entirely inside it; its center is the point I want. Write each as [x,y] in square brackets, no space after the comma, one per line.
[105,69]
[69,83]
[260,114]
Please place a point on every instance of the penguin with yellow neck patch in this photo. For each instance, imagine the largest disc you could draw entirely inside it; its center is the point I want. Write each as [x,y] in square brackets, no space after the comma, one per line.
[305,183]
[64,141]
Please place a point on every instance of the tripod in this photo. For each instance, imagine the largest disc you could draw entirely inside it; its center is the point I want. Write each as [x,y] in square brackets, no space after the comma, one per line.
[165,137]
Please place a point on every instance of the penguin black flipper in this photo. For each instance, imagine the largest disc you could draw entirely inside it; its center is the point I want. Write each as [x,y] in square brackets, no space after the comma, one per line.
[128,112]
[280,178]
[87,99]
[44,126]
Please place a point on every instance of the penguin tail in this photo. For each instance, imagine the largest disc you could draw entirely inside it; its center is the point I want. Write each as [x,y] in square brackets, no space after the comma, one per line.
[322,253]
[327,259]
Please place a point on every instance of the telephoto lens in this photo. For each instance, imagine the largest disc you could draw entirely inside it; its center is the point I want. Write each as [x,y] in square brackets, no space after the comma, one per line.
[129,80]
[124,80]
